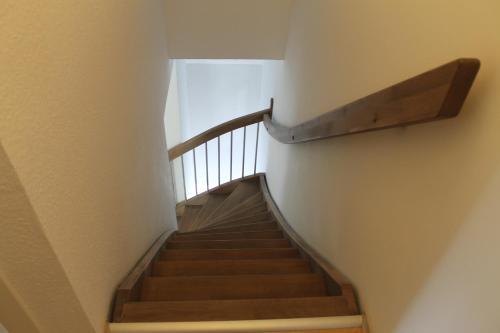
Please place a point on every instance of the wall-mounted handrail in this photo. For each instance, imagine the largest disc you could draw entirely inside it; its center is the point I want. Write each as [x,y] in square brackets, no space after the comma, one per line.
[216,131]
[434,95]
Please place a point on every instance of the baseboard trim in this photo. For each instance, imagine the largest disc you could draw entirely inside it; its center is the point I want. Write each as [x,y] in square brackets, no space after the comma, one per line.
[237,326]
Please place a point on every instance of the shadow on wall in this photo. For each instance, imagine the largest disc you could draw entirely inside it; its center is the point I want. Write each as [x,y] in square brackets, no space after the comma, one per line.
[387,208]
[29,267]
[13,313]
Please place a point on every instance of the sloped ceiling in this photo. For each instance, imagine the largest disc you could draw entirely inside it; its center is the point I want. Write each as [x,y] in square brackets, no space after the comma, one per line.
[227,29]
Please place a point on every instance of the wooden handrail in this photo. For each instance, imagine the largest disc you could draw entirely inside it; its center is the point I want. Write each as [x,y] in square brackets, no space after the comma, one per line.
[434,95]
[216,131]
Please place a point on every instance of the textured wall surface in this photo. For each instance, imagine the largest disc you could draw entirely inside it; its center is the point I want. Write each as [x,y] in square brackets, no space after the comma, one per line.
[227,29]
[12,312]
[172,111]
[82,97]
[409,214]
[36,295]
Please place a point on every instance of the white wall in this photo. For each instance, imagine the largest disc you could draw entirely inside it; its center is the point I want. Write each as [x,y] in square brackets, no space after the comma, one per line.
[88,188]
[227,29]
[35,293]
[172,120]
[409,214]
[173,110]
[213,92]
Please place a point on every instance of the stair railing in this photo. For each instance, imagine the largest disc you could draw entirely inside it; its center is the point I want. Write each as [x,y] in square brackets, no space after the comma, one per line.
[189,147]
[434,95]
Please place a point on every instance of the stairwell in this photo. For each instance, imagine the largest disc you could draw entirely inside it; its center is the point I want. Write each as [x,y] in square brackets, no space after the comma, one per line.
[235,264]
[232,261]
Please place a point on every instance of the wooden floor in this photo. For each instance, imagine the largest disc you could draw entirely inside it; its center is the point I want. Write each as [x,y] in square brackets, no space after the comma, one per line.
[230,260]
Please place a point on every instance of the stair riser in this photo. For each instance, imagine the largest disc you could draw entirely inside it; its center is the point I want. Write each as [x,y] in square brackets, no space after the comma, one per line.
[231,236]
[246,215]
[213,202]
[265,216]
[241,193]
[235,309]
[221,267]
[229,244]
[237,214]
[244,254]
[253,201]
[232,287]
[257,226]
[189,216]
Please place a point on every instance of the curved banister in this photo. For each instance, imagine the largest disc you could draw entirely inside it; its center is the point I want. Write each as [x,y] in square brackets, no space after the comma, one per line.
[217,131]
[434,95]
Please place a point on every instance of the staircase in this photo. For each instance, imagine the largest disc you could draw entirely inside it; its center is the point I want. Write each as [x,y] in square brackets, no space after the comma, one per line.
[232,260]
[235,264]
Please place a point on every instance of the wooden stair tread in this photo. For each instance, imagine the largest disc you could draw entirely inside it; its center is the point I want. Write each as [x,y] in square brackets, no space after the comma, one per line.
[246,213]
[254,200]
[189,216]
[212,203]
[243,191]
[245,309]
[241,214]
[255,226]
[266,234]
[233,258]
[197,201]
[259,217]
[231,267]
[229,244]
[229,254]
[226,188]
[187,288]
